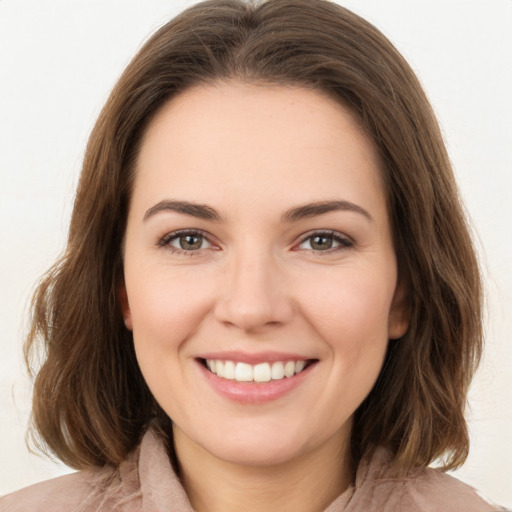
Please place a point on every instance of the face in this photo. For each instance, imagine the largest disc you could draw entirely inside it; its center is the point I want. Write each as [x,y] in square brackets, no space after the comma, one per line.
[260,275]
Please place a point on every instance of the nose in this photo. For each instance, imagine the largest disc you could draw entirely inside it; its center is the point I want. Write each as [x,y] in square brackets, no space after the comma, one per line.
[253,295]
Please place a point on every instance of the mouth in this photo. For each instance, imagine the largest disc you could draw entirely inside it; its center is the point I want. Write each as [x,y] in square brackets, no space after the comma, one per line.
[258,373]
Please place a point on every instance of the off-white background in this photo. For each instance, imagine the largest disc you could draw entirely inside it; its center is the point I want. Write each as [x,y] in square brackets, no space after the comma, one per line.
[60,58]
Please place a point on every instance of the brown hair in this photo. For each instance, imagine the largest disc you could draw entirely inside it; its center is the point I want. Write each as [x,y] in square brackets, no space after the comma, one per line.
[91,404]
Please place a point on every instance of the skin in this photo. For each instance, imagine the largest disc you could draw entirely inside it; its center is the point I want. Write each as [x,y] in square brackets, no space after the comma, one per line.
[257,284]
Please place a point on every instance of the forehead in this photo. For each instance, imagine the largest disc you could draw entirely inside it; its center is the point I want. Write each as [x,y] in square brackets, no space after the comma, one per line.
[291,143]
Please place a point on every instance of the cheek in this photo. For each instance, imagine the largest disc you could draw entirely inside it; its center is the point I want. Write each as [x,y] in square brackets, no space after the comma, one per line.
[350,314]
[166,314]
[350,309]
[165,310]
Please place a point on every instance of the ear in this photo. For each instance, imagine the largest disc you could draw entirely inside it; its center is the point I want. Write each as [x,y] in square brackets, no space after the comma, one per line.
[399,314]
[125,306]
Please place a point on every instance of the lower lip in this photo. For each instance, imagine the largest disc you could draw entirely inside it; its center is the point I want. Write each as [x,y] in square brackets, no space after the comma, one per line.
[254,392]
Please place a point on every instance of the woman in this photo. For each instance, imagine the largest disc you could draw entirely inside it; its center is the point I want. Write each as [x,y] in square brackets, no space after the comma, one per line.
[266,248]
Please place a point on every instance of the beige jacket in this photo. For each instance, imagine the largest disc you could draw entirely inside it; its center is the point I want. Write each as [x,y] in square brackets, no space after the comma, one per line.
[146,482]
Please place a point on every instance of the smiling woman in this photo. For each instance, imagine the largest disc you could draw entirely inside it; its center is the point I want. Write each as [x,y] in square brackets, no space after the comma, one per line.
[234,297]
[269,298]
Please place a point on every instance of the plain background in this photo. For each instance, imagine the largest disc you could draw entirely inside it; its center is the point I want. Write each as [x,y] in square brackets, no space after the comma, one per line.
[60,58]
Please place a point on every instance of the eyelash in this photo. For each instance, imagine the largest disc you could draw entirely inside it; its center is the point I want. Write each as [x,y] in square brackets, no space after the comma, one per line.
[342,241]
[166,240]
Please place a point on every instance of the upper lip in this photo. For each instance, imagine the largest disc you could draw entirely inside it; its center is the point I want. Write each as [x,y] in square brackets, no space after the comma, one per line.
[254,357]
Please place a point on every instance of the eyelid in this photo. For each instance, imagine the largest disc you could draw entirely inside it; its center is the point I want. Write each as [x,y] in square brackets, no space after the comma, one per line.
[344,241]
[165,240]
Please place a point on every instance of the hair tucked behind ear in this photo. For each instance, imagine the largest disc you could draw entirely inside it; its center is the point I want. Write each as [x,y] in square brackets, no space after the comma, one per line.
[91,404]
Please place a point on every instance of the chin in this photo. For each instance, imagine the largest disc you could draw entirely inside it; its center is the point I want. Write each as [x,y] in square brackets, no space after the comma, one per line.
[261,454]
[257,443]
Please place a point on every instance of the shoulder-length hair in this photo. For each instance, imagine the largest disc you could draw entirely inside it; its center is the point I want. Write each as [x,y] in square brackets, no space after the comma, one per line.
[91,404]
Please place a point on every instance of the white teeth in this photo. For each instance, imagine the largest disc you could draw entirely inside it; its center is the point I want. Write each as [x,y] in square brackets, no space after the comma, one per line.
[262,372]
[277,371]
[299,366]
[243,372]
[289,369]
[229,370]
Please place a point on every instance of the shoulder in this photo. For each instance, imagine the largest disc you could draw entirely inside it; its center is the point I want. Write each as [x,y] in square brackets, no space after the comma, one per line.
[423,490]
[85,491]
[144,481]
[62,493]
[432,489]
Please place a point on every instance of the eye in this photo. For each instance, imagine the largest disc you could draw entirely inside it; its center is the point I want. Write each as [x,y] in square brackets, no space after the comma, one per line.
[325,241]
[185,241]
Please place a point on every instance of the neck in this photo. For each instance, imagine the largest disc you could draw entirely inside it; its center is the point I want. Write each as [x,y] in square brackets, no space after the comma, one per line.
[308,483]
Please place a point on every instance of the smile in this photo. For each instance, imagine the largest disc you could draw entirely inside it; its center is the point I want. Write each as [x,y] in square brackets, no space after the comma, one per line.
[262,372]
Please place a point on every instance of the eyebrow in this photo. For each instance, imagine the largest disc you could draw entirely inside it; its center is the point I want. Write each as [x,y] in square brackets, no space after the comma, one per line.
[202,211]
[321,207]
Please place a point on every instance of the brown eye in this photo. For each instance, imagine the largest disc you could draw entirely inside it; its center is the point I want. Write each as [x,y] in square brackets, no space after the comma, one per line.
[323,242]
[190,242]
[185,241]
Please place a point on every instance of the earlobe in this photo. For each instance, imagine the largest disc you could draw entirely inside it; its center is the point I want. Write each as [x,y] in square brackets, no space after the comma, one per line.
[125,306]
[399,314]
